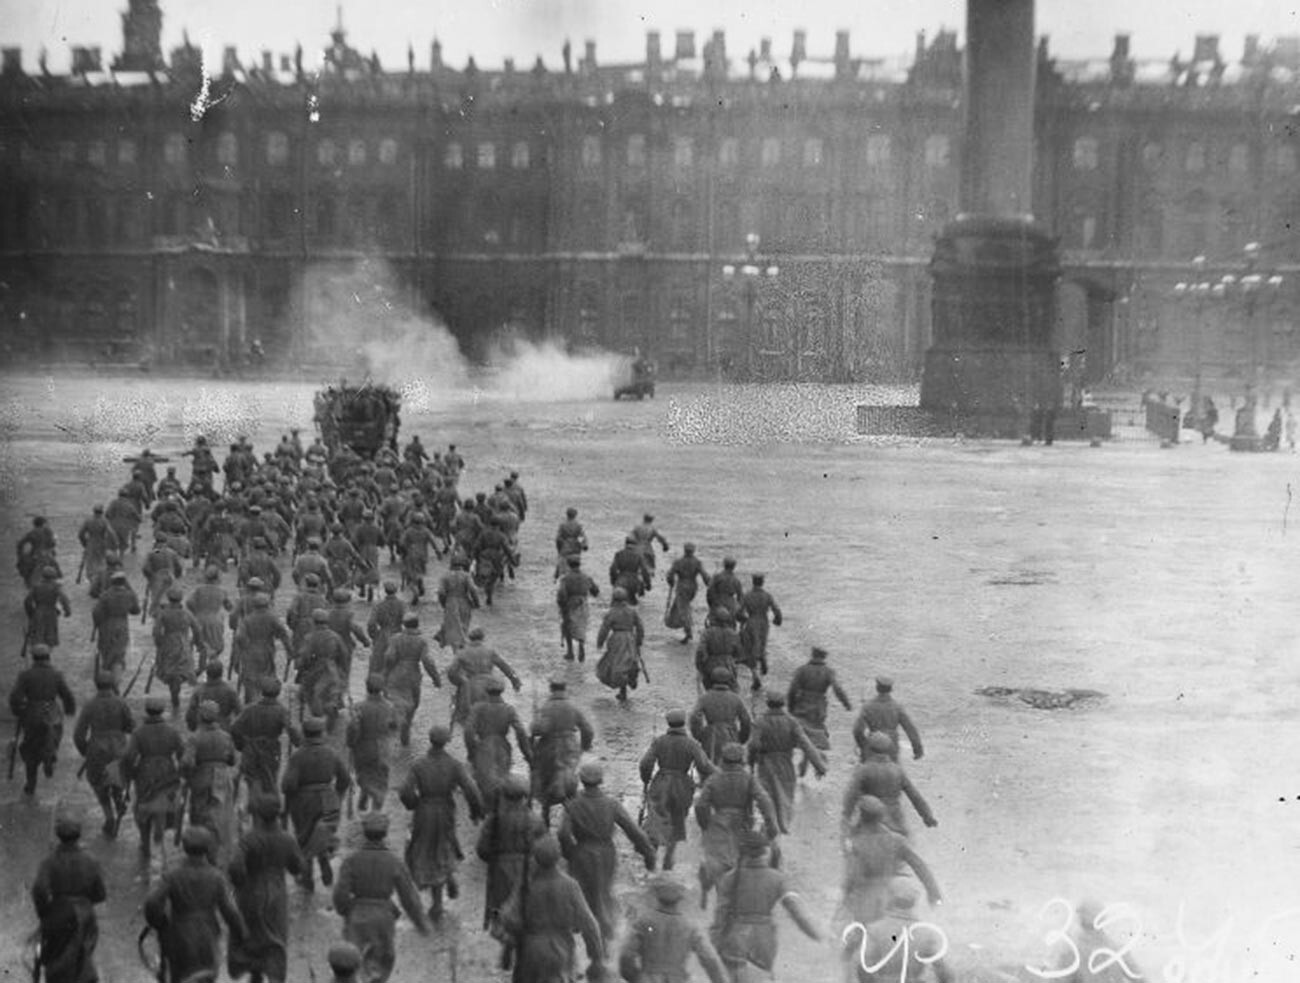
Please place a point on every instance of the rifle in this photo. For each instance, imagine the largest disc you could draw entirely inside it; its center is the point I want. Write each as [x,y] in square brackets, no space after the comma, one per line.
[180,815]
[27,638]
[350,800]
[641,662]
[131,682]
[148,683]
[81,567]
[13,747]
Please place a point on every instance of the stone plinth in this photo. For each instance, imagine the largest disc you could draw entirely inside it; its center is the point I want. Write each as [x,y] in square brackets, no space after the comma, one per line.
[994,309]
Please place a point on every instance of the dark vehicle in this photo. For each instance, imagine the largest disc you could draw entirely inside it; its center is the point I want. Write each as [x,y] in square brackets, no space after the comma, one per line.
[364,418]
[639,380]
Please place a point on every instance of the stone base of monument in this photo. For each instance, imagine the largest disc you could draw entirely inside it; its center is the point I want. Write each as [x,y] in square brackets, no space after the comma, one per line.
[874,420]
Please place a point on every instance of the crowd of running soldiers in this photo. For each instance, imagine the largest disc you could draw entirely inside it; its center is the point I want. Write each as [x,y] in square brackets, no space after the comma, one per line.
[251,764]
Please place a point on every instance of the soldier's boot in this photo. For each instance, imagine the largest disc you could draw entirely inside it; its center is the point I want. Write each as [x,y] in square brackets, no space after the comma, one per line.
[488,592]
[405,735]
[754,683]
[669,855]
[106,803]
[704,889]
[326,871]
[803,766]
[175,688]
[146,839]
[119,804]
[308,878]
[48,765]
[453,888]
[435,908]
[29,787]
[582,651]
[622,694]
[568,650]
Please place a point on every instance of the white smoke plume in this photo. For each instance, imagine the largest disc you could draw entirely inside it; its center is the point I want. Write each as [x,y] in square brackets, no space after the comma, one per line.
[364,323]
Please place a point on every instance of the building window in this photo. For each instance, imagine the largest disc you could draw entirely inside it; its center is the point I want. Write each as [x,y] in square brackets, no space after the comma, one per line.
[519,156]
[174,149]
[878,150]
[683,152]
[769,152]
[277,149]
[1195,160]
[388,152]
[325,217]
[679,318]
[97,153]
[1239,160]
[356,153]
[126,152]
[1153,156]
[729,152]
[487,156]
[326,153]
[588,311]
[937,150]
[1085,154]
[814,153]
[591,151]
[67,152]
[227,149]
[636,150]
[278,214]
[453,158]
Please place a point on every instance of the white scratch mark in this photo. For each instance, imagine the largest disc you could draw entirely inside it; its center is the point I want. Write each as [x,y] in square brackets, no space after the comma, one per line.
[203,101]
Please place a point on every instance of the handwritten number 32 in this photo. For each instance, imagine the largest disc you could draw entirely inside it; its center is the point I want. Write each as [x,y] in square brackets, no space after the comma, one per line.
[1100,958]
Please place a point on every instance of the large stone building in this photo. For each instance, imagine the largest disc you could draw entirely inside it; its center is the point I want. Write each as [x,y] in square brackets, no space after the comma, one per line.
[770,213]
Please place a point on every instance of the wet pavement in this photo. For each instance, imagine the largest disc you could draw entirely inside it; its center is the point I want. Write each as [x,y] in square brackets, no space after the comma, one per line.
[1163,579]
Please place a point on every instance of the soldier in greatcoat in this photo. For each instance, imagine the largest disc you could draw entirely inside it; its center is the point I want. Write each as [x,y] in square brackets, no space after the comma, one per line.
[313,784]
[39,701]
[258,733]
[724,809]
[720,716]
[572,598]
[384,622]
[97,540]
[505,842]
[753,613]
[719,647]
[210,605]
[42,605]
[409,662]
[68,885]
[682,576]
[216,690]
[252,650]
[111,618]
[881,776]
[806,698]
[669,787]
[775,737]
[208,767]
[474,665]
[266,854]
[886,715]
[487,741]
[370,733]
[559,734]
[152,765]
[175,633]
[621,636]
[662,939]
[100,736]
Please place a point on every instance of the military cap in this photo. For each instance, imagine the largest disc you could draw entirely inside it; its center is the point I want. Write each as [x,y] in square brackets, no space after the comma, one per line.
[410,621]
[514,787]
[255,510]
[390,586]
[752,843]
[256,583]
[98,508]
[105,680]
[209,711]
[903,894]
[720,674]
[336,527]
[67,828]
[374,683]
[546,850]
[175,594]
[367,513]
[154,705]
[676,718]
[460,562]
[313,542]
[265,806]
[729,562]
[571,512]
[733,752]
[667,889]
[214,668]
[117,576]
[260,601]
[879,742]
[311,580]
[494,685]
[212,573]
[870,807]
[620,594]
[775,699]
[344,957]
[573,560]
[689,547]
[418,518]
[884,683]
[629,540]
[439,734]
[40,651]
[49,573]
[722,616]
[591,773]
[342,594]
[313,725]
[196,839]
[476,634]
[160,537]
[320,616]
[374,824]
[758,578]
[270,686]
[819,653]
[557,683]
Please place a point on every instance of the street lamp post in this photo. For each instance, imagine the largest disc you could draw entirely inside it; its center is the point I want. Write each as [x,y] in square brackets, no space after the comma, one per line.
[1250,290]
[1197,292]
[750,272]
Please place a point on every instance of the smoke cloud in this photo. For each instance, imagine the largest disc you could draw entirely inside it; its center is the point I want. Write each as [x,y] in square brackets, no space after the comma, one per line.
[364,323]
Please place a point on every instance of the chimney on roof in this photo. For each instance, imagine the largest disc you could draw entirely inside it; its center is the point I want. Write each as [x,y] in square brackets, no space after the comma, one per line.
[653,54]
[1122,68]
[1250,54]
[229,61]
[509,67]
[765,49]
[920,45]
[1207,48]
[715,56]
[798,50]
[435,54]
[13,61]
[268,61]
[588,62]
[685,46]
[843,66]
[286,63]
[85,60]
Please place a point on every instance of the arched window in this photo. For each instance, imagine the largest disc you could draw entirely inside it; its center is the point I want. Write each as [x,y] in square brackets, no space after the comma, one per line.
[227,149]
[356,153]
[326,153]
[769,153]
[591,154]
[683,152]
[937,150]
[487,156]
[277,149]
[388,152]
[175,149]
[636,150]
[1085,154]
[453,157]
[814,152]
[519,156]
[878,150]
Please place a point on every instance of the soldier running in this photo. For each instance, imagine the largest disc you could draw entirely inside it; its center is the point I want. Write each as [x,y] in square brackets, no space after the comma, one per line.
[559,734]
[772,744]
[263,858]
[369,739]
[724,809]
[806,698]
[100,736]
[152,764]
[668,786]
[39,701]
[68,884]
[313,785]
[883,714]
[662,939]
[408,662]
[571,598]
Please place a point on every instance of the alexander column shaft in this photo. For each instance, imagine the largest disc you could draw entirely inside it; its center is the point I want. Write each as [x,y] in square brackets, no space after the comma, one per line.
[995,271]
